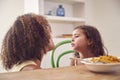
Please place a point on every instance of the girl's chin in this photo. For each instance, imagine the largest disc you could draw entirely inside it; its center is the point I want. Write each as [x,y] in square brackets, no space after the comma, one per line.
[73,48]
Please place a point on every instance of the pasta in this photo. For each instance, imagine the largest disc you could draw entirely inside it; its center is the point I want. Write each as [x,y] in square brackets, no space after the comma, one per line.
[106,59]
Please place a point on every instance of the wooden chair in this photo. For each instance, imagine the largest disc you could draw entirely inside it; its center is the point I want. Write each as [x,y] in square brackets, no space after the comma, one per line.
[61,54]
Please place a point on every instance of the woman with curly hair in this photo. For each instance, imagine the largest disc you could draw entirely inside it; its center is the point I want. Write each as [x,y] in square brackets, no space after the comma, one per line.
[26,42]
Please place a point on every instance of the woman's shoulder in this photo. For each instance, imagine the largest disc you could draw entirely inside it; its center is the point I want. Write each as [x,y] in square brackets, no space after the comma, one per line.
[27,65]
[30,67]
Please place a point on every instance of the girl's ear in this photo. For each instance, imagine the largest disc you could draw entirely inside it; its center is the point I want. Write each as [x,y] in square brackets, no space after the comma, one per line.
[90,42]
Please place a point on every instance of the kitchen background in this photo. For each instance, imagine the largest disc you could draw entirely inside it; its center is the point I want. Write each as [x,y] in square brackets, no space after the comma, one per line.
[104,14]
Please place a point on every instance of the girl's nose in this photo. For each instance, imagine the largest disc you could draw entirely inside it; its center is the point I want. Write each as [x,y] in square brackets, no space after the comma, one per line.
[72,40]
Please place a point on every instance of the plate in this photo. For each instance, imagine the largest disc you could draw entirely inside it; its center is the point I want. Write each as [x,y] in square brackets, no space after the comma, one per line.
[100,67]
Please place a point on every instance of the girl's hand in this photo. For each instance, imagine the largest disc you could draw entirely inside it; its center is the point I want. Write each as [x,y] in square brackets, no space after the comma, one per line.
[75,61]
[72,61]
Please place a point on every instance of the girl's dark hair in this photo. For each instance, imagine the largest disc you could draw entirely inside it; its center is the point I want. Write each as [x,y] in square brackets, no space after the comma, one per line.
[97,46]
[27,39]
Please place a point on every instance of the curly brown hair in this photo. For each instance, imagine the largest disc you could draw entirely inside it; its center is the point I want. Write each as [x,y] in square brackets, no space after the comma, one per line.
[91,33]
[27,39]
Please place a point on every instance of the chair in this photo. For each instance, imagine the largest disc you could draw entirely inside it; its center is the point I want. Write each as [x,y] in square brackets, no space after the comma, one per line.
[61,54]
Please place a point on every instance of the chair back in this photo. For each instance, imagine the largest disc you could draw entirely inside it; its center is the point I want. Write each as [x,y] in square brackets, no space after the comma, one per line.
[61,54]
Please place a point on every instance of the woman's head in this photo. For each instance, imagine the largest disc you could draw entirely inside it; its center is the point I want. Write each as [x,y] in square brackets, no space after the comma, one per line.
[87,37]
[29,38]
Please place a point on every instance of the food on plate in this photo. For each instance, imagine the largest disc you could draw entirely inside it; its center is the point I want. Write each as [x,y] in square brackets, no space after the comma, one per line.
[106,59]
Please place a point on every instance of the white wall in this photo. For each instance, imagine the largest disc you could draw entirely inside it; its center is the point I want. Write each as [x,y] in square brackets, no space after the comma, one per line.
[105,15]
[9,10]
[28,8]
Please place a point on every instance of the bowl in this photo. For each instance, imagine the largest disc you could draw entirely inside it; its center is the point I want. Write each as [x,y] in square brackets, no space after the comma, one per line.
[99,66]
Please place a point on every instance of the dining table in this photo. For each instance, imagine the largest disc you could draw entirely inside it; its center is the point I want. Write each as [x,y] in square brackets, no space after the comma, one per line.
[79,72]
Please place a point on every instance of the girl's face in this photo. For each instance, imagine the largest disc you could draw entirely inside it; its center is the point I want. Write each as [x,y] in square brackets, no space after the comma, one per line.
[79,41]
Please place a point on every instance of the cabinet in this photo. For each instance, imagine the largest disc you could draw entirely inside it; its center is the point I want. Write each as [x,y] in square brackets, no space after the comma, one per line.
[74,14]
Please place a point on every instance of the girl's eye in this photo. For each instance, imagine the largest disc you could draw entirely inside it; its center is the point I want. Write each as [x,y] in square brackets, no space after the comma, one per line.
[76,36]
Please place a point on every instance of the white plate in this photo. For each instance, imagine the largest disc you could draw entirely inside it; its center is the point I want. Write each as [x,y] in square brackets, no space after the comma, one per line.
[100,67]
